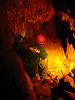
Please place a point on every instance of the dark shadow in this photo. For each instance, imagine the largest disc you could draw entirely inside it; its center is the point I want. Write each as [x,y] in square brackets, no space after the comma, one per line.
[59,90]
[18,47]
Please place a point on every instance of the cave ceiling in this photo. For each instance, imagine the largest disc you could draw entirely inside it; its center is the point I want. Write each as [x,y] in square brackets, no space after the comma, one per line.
[65,5]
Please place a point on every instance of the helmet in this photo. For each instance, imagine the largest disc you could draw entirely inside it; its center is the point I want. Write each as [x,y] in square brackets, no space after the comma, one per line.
[40,39]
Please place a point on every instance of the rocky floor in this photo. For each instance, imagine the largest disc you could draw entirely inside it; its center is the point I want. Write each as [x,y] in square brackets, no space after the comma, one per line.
[46,89]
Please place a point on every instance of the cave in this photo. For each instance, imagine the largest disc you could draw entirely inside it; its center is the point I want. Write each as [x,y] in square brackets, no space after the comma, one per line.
[22,20]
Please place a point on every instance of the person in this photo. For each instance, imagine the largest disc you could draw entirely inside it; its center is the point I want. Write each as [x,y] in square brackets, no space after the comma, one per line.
[36,58]
[18,46]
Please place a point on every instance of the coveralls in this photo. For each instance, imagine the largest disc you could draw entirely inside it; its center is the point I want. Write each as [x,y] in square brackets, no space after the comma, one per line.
[36,60]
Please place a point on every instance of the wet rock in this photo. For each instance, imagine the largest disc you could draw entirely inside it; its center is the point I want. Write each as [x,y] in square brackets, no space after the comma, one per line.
[48,83]
[72,95]
[70,80]
[44,98]
[42,90]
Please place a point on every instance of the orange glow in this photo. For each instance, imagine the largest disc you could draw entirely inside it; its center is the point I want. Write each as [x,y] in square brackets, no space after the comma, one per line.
[58,65]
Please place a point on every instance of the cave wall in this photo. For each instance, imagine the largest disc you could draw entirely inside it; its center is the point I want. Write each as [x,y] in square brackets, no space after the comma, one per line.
[27,16]
[4,28]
